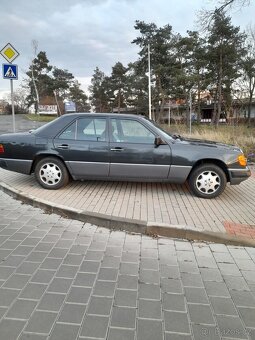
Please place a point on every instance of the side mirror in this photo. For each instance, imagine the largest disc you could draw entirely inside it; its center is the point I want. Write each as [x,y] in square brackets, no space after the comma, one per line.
[158,141]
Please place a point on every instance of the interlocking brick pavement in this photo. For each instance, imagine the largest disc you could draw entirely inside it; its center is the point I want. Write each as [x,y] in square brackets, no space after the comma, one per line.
[68,280]
[238,229]
[153,202]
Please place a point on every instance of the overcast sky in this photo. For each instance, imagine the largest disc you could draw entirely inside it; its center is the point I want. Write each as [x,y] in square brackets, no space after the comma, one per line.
[79,35]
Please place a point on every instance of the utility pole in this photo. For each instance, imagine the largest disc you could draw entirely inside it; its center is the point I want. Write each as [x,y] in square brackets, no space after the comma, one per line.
[190,110]
[169,113]
[35,87]
[35,46]
[149,77]
[13,110]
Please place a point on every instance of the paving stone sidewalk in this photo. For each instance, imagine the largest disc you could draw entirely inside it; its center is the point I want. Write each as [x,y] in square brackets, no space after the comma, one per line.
[233,212]
[63,279]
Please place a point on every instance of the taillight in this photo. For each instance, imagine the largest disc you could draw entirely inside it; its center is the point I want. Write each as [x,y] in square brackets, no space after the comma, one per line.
[1,148]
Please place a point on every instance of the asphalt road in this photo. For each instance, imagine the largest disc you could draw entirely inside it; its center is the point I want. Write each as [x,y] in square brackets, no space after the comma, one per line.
[21,124]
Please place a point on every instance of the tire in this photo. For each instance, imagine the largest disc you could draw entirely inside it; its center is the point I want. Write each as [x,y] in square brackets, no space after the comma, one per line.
[207,181]
[51,173]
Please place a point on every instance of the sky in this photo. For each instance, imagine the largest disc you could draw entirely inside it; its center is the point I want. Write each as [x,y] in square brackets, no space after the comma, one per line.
[80,35]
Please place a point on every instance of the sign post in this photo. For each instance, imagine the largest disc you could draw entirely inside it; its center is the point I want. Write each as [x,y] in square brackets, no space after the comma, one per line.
[10,71]
[13,111]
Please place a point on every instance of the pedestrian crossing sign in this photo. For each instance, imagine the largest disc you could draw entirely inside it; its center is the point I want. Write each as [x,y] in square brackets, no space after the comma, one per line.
[10,71]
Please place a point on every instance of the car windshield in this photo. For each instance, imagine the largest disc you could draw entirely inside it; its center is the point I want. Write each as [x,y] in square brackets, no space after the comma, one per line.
[159,128]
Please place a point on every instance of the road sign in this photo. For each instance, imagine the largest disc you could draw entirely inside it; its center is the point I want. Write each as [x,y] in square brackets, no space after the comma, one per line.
[70,107]
[10,71]
[9,53]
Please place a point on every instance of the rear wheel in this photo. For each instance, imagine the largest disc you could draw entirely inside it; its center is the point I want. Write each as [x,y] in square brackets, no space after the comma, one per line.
[207,181]
[51,173]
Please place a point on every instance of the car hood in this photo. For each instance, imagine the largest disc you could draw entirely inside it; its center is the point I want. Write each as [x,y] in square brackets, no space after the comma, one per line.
[207,143]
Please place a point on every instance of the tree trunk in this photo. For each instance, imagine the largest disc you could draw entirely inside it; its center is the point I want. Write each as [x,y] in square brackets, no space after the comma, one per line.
[251,90]
[188,111]
[249,111]
[218,113]
[214,109]
[162,100]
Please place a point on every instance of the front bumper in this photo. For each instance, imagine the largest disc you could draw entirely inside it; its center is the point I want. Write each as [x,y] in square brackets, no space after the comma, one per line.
[236,176]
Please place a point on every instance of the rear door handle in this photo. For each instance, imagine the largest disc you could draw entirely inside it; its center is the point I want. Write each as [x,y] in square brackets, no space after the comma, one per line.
[63,146]
[117,149]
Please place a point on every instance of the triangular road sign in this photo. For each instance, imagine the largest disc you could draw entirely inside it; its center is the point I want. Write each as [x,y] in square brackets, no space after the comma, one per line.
[9,73]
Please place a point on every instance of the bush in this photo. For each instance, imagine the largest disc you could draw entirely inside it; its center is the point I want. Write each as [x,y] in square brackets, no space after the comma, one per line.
[17,109]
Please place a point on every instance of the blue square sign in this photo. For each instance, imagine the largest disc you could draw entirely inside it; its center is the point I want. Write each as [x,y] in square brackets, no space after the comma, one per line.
[10,71]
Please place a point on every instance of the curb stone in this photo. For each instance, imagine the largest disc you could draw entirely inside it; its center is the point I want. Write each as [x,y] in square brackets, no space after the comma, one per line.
[126,224]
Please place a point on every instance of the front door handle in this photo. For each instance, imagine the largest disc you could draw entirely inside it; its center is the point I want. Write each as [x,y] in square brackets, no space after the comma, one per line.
[63,146]
[117,149]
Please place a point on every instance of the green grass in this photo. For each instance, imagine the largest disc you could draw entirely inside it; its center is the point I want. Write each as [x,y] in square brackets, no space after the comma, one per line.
[40,118]
[240,135]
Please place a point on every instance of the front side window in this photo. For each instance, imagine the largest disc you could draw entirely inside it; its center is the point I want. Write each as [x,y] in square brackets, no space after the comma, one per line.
[130,131]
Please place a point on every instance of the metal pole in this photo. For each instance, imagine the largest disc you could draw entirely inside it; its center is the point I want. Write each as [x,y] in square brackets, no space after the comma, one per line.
[190,111]
[35,46]
[36,91]
[169,114]
[149,76]
[12,100]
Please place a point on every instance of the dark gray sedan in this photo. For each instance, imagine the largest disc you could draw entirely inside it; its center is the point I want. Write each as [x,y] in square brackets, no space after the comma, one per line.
[120,147]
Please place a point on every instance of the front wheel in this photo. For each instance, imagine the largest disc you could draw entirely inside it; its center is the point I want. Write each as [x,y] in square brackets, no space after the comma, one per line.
[207,181]
[51,173]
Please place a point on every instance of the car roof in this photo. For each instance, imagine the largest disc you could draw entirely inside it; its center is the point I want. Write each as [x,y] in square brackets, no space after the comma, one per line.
[49,129]
[78,114]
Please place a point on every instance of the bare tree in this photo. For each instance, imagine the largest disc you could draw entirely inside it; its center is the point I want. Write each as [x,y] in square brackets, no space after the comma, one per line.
[19,98]
[206,16]
[228,4]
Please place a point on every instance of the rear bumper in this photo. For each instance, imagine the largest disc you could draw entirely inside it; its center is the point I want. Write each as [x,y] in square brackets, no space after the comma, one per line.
[237,176]
[18,165]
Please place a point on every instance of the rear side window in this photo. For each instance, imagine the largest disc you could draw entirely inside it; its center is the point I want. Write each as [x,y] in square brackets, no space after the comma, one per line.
[93,129]
[69,132]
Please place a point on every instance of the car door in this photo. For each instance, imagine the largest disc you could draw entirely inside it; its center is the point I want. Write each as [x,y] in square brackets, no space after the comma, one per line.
[84,146]
[133,153]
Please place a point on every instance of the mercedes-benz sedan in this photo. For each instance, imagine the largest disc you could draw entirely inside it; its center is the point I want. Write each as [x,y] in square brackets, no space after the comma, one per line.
[85,146]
